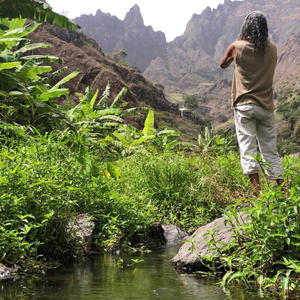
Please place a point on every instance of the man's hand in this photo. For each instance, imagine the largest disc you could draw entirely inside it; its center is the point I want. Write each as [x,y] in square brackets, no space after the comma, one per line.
[228,58]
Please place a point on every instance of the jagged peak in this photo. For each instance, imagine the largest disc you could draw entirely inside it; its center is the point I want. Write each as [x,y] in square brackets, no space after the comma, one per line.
[98,12]
[134,16]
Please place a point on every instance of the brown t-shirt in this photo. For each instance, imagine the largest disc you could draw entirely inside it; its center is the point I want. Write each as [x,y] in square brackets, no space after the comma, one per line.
[253,74]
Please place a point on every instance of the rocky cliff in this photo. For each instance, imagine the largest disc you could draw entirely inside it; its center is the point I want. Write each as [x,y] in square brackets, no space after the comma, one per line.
[288,68]
[208,34]
[191,64]
[141,43]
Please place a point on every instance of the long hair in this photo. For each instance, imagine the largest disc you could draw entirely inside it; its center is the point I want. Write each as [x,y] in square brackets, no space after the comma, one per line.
[255,30]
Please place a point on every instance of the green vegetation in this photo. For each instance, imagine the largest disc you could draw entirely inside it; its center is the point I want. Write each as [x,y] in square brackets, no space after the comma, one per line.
[60,161]
[190,102]
[175,97]
[289,110]
[265,250]
[34,9]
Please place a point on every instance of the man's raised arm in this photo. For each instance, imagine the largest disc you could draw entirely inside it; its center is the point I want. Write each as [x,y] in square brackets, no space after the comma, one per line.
[228,58]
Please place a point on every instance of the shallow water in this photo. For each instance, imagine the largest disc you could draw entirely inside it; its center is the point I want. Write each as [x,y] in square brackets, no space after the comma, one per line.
[106,277]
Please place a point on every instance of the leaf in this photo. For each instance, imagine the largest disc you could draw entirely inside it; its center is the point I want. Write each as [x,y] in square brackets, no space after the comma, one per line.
[21,31]
[48,216]
[121,138]
[11,40]
[16,23]
[33,46]
[236,275]
[142,140]
[17,93]
[103,101]
[119,97]
[66,79]
[3,94]
[35,10]
[114,171]
[94,99]
[109,111]
[42,58]
[9,65]
[225,277]
[50,94]
[30,71]
[149,124]
[285,281]
[106,174]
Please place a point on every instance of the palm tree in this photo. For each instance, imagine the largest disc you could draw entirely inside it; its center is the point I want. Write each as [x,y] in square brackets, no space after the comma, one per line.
[36,10]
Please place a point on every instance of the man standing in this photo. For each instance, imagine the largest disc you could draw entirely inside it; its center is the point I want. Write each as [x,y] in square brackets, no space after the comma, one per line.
[255,58]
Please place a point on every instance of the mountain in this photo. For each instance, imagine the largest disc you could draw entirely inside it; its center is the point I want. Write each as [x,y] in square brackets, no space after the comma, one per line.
[189,65]
[141,43]
[207,35]
[288,68]
[80,52]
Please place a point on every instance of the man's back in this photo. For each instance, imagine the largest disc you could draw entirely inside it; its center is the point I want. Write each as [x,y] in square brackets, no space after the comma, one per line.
[253,75]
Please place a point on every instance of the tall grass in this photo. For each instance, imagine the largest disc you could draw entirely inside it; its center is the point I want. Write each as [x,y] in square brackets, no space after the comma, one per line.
[186,189]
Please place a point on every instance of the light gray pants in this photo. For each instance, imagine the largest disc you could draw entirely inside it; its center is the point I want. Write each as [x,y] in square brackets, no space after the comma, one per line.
[256,129]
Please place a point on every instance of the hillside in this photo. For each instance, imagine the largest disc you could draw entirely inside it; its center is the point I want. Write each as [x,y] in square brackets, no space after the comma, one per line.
[97,70]
[288,68]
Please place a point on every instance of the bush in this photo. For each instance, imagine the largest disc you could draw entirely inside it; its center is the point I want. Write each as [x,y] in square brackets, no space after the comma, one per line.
[43,184]
[265,250]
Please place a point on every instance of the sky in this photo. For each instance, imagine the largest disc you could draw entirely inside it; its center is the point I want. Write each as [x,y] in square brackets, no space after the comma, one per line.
[169,16]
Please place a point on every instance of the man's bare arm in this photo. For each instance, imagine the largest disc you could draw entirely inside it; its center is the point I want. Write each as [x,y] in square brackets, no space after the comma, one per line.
[228,58]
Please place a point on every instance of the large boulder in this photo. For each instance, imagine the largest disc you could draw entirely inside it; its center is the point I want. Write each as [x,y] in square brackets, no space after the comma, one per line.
[188,257]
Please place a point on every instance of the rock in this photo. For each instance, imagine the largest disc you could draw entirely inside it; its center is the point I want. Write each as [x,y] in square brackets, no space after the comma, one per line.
[8,273]
[188,258]
[173,234]
[81,228]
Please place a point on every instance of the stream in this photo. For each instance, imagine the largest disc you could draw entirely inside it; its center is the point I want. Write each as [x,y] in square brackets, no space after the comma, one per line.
[144,276]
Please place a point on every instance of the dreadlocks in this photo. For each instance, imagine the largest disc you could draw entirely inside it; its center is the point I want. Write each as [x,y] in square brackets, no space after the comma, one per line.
[255,30]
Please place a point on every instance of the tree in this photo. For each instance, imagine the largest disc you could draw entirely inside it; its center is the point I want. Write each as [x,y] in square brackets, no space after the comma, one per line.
[190,102]
[121,54]
[35,10]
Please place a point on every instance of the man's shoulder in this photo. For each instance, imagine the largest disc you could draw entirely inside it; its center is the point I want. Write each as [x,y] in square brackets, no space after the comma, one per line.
[240,43]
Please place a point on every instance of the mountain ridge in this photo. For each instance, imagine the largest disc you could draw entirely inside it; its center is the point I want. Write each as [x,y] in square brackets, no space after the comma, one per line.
[80,52]
[141,43]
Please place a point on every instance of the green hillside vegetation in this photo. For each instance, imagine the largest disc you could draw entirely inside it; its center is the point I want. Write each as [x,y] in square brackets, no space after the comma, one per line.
[288,109]
[58,161]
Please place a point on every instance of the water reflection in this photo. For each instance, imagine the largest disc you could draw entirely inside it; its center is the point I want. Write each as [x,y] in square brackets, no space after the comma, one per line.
[108,278]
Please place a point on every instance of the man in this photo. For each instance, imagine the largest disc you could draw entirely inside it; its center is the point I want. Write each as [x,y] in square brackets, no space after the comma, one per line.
[255,58]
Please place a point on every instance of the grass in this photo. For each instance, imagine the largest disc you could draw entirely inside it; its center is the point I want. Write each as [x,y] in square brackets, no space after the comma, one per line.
[175,97]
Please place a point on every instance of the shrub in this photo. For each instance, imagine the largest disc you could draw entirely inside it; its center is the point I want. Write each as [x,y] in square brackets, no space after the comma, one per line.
[265,250]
